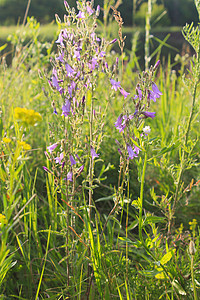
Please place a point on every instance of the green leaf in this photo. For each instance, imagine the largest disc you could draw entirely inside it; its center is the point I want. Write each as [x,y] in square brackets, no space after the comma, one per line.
[179,288]
[165,150]
[153,220]
[133,225]
[105,198]
[167,257]
[3,47]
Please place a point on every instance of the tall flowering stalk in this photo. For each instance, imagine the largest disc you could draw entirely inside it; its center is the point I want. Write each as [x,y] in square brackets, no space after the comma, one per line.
[76,132]
[134,133]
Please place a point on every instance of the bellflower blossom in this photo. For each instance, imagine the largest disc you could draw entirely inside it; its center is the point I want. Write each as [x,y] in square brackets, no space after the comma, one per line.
[69,69]
[149,114]
[155,93]
[124,93]
[72,160]
[52,147]
[81,15]
[70,176]
[131,153]
[115,84]
[59,159]
[139,93]
[66,108]
[60,39]
[93,153]
[89,10]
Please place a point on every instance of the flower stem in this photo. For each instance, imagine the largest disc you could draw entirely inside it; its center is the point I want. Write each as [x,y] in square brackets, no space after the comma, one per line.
[193,280]
[141,197]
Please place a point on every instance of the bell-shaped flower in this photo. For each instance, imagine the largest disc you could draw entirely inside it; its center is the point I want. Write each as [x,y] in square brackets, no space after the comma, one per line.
[149,114]
[70,176]
[93,153]
[115,84]
[52,147]
[66,108]
[59,159]
[69,69]
[81,15]
[89,10]
[124,93]
[131,153]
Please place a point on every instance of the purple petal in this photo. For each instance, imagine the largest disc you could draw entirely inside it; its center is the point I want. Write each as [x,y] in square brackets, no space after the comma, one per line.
[70,176]
[66,108]
[149,114]
[80,15]
[124,93]
[156,90]
[115,84]
[52,147]
[89,10]
[72,160]
[131,153]
[93,153]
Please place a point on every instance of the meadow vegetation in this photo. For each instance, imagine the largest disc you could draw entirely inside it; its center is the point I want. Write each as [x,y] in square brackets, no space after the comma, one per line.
[99,165]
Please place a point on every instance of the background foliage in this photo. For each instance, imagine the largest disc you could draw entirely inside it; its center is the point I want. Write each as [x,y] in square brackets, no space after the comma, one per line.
[179,12]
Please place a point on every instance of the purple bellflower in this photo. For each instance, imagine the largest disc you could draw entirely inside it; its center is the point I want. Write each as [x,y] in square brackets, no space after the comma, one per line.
[81,15]
[119,124]
[139,93]
[55,111]
[155,93]
[60,57]
[66,108]
[89,10]
[72,160]
[59,159]
[115,84]
[149,114]
[156,90]
[46,169]
[124,93]
[131,153]
[80,170]
[60,39]
[52,147]
[69,69]
[70,176]
[93,153]
[136,149]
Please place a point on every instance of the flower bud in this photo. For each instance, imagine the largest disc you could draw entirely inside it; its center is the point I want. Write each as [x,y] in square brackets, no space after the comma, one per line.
[156,65]
[192,249]
[98,10]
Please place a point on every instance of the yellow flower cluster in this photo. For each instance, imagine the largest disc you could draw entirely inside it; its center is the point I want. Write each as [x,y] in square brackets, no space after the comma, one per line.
[193,224]
[27,116]
[3,220]
[24,145]
[6,140]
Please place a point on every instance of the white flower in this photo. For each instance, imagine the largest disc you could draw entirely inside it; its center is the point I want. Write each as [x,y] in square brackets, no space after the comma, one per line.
[147,129]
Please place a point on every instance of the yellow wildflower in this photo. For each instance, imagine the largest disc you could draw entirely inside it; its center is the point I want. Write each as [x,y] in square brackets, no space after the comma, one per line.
[27,116]
[24,145]
[6,140]
[3,220]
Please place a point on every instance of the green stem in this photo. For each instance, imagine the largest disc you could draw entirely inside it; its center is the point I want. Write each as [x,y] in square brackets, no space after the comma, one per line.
[127,228]
[91,167]
[193,280]
[141,197]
